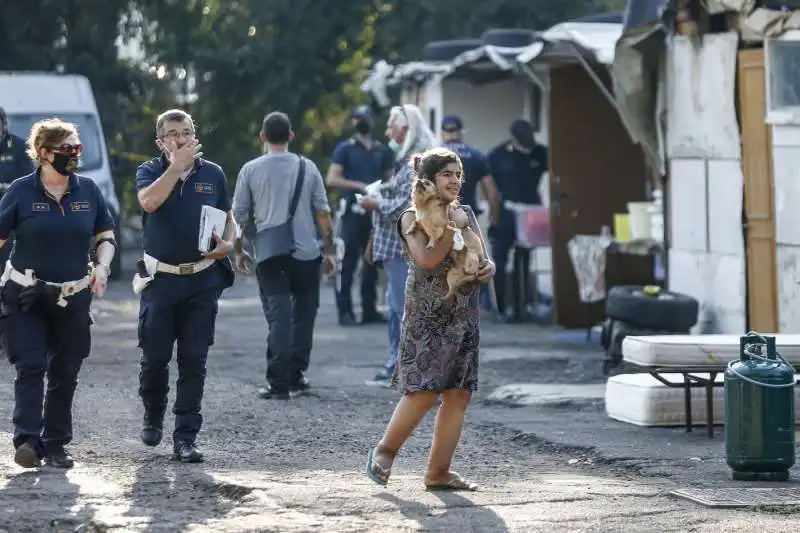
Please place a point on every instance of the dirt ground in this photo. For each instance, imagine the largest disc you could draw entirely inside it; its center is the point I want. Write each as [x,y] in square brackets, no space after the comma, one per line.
[299,466]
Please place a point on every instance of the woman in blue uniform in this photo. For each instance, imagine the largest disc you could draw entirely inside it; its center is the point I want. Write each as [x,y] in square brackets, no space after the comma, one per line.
[58,218]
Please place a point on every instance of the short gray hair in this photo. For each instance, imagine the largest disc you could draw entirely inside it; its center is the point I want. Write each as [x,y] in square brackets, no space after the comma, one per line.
[172,115]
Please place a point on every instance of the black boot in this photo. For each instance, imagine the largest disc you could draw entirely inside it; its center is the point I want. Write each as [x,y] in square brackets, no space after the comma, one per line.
[187,452]
[58,457]
[26,456]
[153,427]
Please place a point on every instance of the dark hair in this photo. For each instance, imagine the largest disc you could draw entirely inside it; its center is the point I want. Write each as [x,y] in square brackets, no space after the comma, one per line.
[172,115]
[277,128]
[431,162]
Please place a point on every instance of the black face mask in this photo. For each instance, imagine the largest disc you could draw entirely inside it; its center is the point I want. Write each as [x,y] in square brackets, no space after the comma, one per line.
[363,127]
[64,164]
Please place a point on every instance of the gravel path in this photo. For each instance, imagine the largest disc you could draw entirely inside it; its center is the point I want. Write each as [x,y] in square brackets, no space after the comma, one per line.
[297,466]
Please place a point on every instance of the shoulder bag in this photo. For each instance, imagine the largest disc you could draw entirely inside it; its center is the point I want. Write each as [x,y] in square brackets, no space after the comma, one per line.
[278,241]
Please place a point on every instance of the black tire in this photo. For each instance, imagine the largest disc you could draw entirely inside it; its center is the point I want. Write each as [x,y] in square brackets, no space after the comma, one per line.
[448,50]
[508,37]
[668,311]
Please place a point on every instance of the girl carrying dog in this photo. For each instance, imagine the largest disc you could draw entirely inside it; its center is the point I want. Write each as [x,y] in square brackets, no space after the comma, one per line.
[438,353]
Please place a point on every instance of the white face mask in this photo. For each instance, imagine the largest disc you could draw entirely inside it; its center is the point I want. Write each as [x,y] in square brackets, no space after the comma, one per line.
[394,146]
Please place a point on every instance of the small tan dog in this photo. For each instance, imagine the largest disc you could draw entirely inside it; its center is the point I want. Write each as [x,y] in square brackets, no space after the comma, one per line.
[431,215]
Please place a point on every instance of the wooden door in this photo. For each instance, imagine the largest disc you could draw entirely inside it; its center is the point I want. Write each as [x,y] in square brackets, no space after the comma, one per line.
[595,170]
[759,203]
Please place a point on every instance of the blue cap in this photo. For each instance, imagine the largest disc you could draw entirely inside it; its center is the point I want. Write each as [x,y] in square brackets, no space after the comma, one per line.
[452,123]
[362,111]
[522,131]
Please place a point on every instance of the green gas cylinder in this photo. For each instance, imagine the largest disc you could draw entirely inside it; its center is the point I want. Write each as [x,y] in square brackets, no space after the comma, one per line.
[759,412]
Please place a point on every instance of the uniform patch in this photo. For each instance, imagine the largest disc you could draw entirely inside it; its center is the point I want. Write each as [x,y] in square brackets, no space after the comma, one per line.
[39,207]
[80,206]
[204,188]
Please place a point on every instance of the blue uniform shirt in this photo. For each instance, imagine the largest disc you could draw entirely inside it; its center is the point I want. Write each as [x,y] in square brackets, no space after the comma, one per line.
[360,163]
[53,238]
[14,162]
[475,168]
[517,176]
[171,232]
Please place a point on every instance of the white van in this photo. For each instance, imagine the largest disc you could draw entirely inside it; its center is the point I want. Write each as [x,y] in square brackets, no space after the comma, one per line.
[28,97]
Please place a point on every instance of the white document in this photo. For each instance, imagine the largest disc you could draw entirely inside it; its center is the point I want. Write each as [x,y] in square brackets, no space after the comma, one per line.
[212,220]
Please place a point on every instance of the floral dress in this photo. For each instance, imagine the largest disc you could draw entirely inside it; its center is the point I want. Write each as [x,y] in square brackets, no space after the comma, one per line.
[440,338]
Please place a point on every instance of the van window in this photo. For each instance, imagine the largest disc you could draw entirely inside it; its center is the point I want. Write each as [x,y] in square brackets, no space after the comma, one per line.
[88,130]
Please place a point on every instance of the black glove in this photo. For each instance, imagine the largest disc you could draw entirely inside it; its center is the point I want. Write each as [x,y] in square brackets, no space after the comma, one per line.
[40,291]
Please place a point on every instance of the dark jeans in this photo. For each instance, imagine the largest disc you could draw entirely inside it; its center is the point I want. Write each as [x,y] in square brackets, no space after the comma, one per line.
[355,233]
[289,291]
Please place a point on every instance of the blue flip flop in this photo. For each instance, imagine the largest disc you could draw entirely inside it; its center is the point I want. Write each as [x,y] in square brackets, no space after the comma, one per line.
[375,472]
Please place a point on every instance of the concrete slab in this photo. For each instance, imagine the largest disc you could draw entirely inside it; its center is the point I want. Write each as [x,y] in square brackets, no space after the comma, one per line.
[510,353]
[526,394]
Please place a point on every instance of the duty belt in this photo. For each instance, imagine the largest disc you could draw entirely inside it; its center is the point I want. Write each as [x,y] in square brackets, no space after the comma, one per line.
[28,279]
[184,269]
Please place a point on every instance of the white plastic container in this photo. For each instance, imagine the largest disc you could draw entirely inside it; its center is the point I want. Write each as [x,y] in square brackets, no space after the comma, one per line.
[656,211]
[639,220]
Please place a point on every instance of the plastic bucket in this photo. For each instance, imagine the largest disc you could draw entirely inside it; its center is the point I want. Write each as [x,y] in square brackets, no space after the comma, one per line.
[533,226]
[639,220]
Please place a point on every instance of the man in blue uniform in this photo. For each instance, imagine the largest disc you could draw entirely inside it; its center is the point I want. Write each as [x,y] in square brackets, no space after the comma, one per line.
[14,163]
[181,285]
[476,173]
[517,166]
[357,162]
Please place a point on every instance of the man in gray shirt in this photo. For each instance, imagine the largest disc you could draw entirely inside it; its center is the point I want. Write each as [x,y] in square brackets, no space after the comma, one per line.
[288,285]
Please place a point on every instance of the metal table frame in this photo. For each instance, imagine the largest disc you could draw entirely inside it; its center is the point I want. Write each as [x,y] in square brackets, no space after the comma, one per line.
[691,380]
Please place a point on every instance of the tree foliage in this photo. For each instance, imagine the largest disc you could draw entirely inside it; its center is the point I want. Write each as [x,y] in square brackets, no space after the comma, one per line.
[230,62]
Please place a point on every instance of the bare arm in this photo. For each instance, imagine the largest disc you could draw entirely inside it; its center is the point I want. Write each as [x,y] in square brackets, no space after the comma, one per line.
[230,228]
[492,195]
[325,227]
[154,195]
[417,242]
[105,252]
[336,179]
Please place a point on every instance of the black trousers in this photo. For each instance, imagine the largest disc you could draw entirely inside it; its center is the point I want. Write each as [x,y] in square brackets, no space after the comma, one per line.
[289,291]
[502,244]
[45,342]
[178,310]
[355,233]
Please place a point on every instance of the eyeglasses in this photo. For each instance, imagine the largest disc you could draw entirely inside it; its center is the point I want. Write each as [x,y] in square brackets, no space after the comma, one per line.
[69,149]
[175,135]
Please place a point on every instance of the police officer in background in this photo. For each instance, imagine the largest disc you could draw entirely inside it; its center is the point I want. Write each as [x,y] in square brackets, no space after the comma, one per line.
[357,162]
[57,217]
[476,174]
[517,166]
[14,163]
[179,286]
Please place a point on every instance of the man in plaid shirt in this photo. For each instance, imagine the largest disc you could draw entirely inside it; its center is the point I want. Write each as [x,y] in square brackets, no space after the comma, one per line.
[408,135]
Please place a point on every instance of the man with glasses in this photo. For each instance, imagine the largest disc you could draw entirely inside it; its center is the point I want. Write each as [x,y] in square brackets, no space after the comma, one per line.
[14,163]
[179,285]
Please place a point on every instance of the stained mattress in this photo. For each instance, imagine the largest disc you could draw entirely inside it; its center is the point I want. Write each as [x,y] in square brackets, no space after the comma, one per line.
[678,351]
[642,400]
